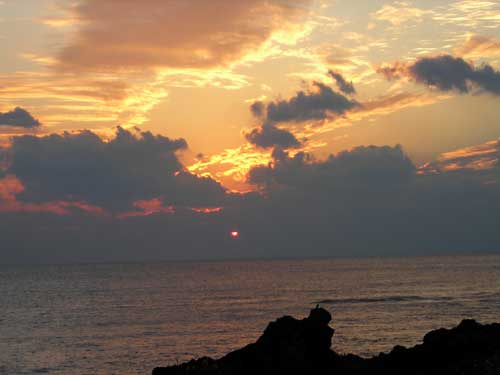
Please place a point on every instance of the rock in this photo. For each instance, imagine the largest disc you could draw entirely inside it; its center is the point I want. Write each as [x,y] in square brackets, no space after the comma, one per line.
[320,315]
[287,346]
[291,346]
[465,349]
[298,344]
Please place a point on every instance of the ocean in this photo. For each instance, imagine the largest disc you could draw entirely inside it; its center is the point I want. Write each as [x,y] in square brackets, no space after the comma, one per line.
[128,318]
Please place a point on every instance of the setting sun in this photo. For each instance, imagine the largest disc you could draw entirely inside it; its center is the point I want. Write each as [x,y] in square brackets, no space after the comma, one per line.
[174,174]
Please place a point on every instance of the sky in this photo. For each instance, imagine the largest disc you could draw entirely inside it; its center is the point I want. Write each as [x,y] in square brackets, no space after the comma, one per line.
[153,130]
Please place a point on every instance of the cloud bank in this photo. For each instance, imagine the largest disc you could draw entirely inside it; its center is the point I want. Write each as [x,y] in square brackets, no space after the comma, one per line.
[112,175]
[363,167]
[365,201]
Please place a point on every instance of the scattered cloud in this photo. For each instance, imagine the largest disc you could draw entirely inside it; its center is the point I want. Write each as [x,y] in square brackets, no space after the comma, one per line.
[393,71]
[149,207]
[174,34]
[447,73]
[320,103]
[129,190]
[317,104]
[306,116]
[398,13]
[342,84]
[386,104]
[268,136]
[84,98]
[470,14]
[19,117]
[123,75]
[258,108]
[478,157]
[479,46]
[336,55]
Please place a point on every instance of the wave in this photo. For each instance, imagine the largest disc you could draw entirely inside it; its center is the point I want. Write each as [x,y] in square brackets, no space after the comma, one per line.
[383,299]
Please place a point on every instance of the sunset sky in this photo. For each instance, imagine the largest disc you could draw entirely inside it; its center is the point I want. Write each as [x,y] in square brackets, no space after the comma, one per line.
[168,124]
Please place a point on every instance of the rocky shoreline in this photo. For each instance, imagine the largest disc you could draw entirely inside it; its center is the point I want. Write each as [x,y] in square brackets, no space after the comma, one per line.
[293,346]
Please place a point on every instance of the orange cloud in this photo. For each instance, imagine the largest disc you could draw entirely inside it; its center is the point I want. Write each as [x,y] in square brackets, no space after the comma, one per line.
[207,210]
[400,12]
[478,157]
[155,206]
[120,56]
[471,14]
[479,46]
[231,166]
[147,208]
[83,98]
[387,104]
[11,186]
[158,33]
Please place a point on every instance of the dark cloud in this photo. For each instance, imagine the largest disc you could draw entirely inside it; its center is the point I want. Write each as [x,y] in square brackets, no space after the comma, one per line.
[342,84]
[447,73]
[77,198]
[367,201]
[268,136]
[112,174]
[258,109]
[19,118]
[318,104]
[371,200]
[363,167]
[453,73]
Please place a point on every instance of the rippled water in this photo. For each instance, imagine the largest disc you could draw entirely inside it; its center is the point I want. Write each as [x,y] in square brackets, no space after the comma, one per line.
[129,318]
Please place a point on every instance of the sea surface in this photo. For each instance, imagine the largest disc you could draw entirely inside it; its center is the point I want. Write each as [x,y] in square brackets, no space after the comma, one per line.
[128,318]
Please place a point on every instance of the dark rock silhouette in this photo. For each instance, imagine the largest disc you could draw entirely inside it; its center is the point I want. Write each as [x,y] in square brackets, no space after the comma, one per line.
[292,346]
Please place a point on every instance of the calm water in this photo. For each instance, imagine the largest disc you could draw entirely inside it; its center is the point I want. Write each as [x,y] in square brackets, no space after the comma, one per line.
[128,318]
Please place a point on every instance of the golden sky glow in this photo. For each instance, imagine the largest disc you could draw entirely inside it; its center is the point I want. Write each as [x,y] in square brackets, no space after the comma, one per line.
[192,69]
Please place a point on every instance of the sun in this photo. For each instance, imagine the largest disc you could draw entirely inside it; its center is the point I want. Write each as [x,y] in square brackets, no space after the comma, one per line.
[234,234]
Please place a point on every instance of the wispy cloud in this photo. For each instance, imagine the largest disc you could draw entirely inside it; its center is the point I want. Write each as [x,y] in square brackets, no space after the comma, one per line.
[67,98]
[158,37]
[398,13]
[478,157]
[479,46]
[471,14]
[123,75]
